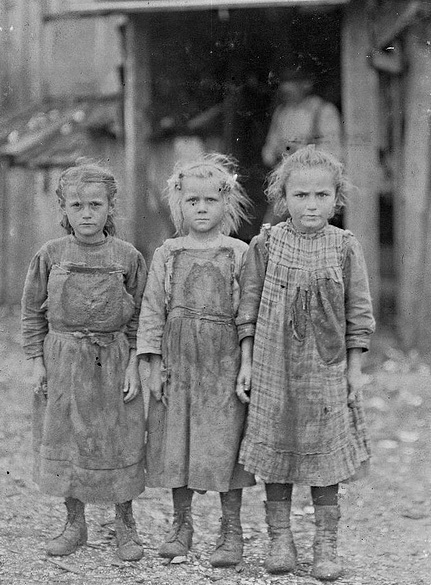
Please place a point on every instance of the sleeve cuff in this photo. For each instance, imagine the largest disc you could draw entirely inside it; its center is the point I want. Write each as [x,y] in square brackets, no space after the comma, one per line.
[35,352]
[246,330]
[359,342]
[147,349]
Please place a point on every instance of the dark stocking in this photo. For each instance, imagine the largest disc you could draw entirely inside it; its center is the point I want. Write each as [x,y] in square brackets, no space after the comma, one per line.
[325,496]
[278,492]
[182,497]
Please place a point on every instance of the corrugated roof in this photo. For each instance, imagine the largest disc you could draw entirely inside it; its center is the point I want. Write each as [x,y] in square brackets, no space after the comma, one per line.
[107,7]
[56,133]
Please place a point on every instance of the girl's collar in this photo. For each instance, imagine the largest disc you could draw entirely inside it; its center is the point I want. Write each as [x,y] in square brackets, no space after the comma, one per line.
[309,235]
[192,242]
[91,245]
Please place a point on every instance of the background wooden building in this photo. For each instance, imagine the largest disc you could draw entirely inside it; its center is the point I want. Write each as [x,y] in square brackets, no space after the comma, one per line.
[60,98]
[197,74]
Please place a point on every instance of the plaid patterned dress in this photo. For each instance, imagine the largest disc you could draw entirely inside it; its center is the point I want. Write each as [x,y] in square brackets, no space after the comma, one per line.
[305,298]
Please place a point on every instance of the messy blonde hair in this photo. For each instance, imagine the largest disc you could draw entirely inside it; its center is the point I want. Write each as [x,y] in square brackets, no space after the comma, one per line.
[307,157]
[236,202]
[87,171]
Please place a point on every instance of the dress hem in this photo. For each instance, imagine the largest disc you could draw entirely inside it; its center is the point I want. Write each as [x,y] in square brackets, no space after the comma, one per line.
[276,467]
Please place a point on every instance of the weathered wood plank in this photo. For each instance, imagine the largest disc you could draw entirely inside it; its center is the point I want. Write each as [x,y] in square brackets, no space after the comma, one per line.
[143,227]
[360,103]
[414,298]
[84,9]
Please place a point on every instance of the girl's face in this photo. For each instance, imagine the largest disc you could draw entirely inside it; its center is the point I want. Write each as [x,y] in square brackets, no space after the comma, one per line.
[310,198]
[202,206]
[87,208]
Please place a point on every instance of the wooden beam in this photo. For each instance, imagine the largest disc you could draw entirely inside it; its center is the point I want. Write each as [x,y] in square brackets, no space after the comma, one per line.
[414,297]
[360,102]
[29,140]
[138,96]
[105,8]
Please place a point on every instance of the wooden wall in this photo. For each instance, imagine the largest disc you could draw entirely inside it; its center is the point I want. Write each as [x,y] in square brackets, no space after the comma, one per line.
[20,56]
[20,87]
[37,61]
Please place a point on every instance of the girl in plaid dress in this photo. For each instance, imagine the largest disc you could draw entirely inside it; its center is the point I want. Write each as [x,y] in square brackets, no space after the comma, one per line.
[305,317]
[187,332]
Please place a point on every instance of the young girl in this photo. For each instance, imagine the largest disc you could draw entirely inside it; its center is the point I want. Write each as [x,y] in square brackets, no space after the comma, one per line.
[187,331]
[304,319]
[80,313]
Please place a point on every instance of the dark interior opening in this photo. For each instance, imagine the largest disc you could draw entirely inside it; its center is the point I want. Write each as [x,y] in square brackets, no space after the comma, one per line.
[227,64]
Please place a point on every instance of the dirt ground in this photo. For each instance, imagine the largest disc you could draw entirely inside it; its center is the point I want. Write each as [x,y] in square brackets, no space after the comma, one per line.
[385,530]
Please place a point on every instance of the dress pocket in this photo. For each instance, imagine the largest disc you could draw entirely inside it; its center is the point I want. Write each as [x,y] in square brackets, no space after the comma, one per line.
[328,317]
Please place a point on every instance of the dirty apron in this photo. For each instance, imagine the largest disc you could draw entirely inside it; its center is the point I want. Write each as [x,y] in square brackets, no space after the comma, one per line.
[194,441]
[89,444]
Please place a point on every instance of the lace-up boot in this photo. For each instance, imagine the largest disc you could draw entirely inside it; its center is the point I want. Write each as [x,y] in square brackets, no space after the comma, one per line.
[281,557]
[74,533]
[229,546]
[179,540]
[128,542]
[327,565]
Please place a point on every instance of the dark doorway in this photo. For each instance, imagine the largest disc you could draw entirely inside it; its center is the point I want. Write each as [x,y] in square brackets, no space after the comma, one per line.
[227,64]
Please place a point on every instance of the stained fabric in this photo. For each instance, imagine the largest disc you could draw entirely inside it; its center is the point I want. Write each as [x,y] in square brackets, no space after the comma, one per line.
[188,317]
[80,309]
[305,299]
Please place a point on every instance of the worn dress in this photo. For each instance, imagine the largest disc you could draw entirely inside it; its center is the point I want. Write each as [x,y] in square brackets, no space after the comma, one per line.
[188,317]
[305,299]
[80,311]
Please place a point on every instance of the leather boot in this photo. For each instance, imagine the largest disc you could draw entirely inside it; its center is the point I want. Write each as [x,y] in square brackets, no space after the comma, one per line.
[179,540]
[128,542]
[74,533]
[229,546]
[281,557]
[327,565]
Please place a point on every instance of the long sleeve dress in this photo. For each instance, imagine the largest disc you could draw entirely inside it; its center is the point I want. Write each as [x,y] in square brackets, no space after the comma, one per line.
[188,317]
[80,311]
[305,300]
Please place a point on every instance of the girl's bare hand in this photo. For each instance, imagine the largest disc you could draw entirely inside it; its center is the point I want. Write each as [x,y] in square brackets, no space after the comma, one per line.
[243,383]
[355,381]
[39,378]
[155,383]
[132,382]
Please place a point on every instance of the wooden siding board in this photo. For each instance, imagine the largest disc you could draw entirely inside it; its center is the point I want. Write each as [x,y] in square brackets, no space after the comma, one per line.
[134,7]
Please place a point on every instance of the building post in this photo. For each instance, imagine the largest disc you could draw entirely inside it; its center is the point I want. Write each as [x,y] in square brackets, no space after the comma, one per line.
[142,227]
[360,115]
[414,297]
